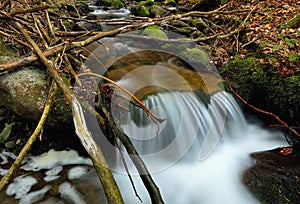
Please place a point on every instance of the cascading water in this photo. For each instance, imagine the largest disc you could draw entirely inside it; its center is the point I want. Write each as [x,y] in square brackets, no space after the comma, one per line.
[198,153]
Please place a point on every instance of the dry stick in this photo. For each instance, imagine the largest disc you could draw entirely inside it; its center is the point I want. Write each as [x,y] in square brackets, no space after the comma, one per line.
[15,39]
[50,24]
[55,50]
[141,167]
[152,115]
[221,36]
[4,181]
[30,10]
[71,70]
[292,130]
[217,36]
[45,33]
[28,60]
[99,36]
[39,30]
[111,189]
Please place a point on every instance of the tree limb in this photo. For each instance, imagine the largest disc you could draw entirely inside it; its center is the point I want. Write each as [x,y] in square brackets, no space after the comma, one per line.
[5,179]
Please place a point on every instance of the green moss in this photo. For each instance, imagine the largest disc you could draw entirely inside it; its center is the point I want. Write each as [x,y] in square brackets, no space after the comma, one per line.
[265,88]
[154,31]
[117,3]
[195,55]
[140,11]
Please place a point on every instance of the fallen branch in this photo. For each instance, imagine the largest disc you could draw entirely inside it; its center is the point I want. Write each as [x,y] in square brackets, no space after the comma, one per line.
[141,167]
[28,60]
[5,179]
[292,130]
[111,189]
[29,10]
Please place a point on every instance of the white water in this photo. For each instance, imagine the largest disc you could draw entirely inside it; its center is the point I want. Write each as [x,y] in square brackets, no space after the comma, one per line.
[185,173]
[216,141]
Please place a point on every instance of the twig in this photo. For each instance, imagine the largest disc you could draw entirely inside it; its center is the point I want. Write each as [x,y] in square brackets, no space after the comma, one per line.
[5,3]
[15,39]
[99,36]
[152,115]
[292,130]
[217,36]
[71,70]
[4,181]
[49,24]
[128,173]
[39,31]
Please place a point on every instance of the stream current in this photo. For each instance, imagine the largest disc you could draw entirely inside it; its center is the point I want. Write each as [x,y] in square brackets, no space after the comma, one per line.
[196,156]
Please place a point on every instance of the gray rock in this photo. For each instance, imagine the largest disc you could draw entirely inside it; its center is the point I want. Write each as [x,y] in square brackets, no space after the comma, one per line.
[24,92]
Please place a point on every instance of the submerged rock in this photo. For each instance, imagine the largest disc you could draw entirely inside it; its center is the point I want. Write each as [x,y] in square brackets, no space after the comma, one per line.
[274,178]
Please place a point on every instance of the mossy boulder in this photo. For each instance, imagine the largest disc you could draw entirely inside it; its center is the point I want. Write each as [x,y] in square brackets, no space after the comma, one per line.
[264,87]
[155,32]
[275,178]
[25,92]
[140,11]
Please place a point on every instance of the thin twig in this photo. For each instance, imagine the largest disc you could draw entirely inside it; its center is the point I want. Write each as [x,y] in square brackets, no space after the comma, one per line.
[128,173]
[152,115]
[292,130]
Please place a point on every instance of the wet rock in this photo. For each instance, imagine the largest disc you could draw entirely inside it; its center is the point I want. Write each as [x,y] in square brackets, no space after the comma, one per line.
[88,26]
[25,91]
[157,11]
[178,23]
[274,178]
[140,11]
[4,135]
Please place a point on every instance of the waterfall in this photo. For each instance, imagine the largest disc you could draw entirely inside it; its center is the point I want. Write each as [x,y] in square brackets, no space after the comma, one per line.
[198,153]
